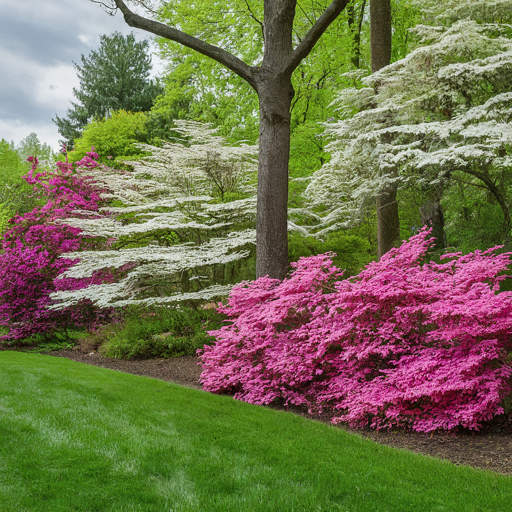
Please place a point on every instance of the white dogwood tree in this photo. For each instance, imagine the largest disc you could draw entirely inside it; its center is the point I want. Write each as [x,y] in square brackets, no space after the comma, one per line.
[441,113]
[174,221]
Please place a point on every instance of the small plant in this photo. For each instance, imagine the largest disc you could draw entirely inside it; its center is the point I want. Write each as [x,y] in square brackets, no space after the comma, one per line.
[52,346]
[157,332]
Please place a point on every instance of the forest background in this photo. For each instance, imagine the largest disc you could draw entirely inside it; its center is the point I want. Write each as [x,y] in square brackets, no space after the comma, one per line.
[467,211]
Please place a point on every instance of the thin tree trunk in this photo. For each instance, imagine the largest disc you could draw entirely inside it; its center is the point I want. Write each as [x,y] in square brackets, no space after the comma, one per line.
[388,225]
[380,33]
[432,215]
[355,25]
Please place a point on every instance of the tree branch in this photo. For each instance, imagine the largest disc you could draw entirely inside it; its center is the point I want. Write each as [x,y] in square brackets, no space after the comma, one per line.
[160,29]
[251,14]
[314,34]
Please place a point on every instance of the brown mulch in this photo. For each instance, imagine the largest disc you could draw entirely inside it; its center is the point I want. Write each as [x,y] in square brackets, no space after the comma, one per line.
[491,448]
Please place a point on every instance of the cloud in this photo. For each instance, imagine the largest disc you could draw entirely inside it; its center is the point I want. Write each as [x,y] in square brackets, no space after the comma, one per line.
[39,41]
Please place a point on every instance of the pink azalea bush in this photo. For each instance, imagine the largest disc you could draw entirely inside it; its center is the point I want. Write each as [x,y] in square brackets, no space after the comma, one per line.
[405,344]
[30,259]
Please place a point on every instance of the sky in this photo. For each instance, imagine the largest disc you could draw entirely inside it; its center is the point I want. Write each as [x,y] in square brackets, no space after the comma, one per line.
[39,41]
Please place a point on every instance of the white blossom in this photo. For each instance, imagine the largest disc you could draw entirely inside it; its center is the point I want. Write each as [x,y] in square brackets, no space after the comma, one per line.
[420,119]
[173,195]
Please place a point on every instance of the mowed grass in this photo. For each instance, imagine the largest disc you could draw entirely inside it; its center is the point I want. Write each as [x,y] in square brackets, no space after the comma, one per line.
[78,438]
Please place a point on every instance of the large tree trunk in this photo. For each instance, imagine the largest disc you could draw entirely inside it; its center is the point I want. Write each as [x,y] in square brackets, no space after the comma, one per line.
[275,94]
[272,234]
[388,227]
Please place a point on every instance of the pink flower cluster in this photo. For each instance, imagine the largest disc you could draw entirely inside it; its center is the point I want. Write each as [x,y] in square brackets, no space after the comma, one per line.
[30,259]
[423,346]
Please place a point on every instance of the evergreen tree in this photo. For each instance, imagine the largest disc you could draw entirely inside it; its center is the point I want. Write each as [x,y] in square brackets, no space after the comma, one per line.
[115,77]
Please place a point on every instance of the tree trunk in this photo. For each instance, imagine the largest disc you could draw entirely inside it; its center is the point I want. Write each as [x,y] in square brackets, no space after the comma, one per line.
[275,94]
[380,33]
[388,226]
[355,25]
[272,233]
[431,214]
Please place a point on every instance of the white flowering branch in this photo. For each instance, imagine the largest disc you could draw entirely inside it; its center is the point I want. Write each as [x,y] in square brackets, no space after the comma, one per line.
[424,117]
[169,222]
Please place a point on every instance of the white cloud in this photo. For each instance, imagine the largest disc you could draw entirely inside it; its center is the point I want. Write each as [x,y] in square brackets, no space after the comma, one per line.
[85,39]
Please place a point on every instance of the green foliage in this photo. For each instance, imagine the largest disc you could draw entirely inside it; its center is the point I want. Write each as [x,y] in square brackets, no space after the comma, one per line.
[114,77]
[32,146]
[113,137]
[473,218]
[158,332]
[352,252]
[52,346]
[12,166]
[404,15]
[6,213]
[15,194]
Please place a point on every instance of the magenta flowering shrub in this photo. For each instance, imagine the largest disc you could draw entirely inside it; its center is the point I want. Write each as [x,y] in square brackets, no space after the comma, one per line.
[30,259]
[421,346]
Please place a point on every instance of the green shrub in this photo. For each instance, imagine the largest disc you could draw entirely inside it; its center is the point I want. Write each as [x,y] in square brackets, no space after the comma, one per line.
[352,252]
[113,137]
[158,332]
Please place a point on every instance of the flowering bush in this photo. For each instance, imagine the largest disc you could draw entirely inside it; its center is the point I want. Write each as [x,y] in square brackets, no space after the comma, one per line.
[30,261]
[422,346]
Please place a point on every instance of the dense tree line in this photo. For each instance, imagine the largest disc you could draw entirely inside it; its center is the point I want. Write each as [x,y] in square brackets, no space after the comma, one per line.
[468,208]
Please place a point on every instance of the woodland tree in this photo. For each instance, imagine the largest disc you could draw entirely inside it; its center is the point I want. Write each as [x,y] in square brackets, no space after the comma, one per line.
[174,222]
[440,114]
[388,226]
[31,146]
[271,78]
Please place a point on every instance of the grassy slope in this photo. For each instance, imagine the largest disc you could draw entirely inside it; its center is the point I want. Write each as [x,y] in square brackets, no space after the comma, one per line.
[80,438]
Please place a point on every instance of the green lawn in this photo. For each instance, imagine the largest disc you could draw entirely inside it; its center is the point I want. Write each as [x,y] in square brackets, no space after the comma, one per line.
[78,438]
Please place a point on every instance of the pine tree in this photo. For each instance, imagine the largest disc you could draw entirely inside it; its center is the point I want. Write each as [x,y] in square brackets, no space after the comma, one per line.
[114,77]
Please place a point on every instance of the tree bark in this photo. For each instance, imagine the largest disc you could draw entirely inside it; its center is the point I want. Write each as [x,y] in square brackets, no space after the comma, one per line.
[388,226]
[432,216]
[272,82]
[271,227]
[380,33]
[275,95]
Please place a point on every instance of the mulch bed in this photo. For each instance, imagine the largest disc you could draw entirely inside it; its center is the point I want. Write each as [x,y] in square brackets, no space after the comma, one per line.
[491,448]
